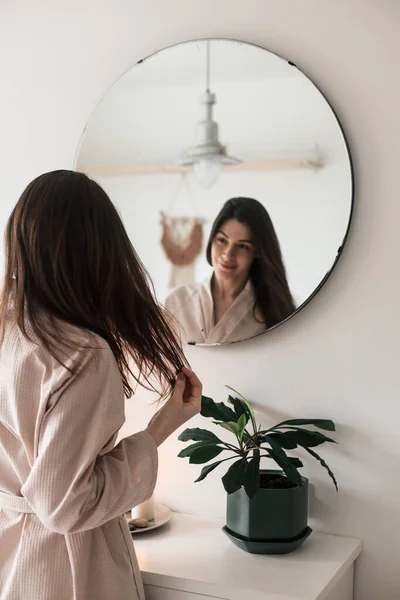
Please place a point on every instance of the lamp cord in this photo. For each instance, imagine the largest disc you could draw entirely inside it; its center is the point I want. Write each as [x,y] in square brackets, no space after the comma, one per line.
[208,68]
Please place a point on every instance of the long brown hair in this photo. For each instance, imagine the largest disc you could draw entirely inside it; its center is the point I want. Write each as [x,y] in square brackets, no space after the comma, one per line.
[69,259]
[267,273]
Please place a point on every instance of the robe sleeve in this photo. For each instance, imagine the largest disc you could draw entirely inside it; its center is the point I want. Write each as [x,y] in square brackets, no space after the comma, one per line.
[78,480]
[170,302]
[174,315]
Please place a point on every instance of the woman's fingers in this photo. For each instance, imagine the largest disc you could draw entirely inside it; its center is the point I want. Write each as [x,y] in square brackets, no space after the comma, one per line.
[195,382]
[185,403]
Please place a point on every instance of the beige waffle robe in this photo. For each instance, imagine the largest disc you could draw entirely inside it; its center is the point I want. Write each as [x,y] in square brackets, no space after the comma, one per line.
[63,485]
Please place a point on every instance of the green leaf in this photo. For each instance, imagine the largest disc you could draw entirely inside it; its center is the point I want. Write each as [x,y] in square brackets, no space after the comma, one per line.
[305,438]
[233,478]
[240,407]
[243,399]
[242,422]
[189,449]
[252,476]
[282,460]
[283,441]
[232,426]
[325,424]
[323,463]
[287,467]
[218,411]
[204,454]
[199,435]
[296,462]
[208,468]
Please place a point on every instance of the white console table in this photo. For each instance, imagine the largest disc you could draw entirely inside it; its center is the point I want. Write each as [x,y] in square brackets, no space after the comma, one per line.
[190,558]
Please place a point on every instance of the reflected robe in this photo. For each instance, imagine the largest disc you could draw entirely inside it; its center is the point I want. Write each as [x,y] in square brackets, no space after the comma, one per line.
[193,307]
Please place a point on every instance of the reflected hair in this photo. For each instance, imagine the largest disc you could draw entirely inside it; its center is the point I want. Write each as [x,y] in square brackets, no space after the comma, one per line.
[267,273]
[69,261]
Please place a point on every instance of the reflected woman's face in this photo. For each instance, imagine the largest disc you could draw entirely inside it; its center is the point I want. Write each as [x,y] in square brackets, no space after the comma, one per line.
[232,251]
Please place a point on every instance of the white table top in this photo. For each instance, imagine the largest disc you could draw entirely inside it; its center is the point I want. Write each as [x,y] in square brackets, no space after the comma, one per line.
[192,554]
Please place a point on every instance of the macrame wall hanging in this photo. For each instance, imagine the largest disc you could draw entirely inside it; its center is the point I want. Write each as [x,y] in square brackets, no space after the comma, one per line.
[182,241]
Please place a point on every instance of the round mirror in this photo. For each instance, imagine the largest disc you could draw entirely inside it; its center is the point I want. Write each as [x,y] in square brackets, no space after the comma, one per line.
[233,179]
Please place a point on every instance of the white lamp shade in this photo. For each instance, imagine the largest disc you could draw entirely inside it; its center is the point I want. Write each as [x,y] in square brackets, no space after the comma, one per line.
[207,171]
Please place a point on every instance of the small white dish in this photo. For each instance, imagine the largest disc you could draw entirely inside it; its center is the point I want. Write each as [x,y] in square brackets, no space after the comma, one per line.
[162,515]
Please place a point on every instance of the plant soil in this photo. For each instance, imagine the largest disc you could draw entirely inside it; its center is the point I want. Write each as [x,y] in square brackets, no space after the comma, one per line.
[275,481]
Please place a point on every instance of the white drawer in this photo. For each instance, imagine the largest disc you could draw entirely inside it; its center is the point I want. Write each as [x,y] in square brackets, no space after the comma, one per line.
[155,592]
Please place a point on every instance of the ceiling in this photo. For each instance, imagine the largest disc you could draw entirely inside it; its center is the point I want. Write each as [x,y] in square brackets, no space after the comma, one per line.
[185,64]
[149,115]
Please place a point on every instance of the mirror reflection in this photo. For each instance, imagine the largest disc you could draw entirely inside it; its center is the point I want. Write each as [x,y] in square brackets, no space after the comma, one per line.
[233,179]
[248,290]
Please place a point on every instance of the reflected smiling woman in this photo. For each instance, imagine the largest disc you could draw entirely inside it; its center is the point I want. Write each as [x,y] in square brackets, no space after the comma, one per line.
[248,291]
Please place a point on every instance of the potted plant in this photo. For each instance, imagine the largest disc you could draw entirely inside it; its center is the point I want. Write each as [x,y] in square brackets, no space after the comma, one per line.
[267,509]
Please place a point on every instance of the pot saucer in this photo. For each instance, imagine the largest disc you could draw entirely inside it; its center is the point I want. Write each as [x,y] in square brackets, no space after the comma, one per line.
[267,546]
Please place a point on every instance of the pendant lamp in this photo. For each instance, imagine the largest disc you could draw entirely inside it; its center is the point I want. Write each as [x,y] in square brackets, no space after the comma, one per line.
[208,155]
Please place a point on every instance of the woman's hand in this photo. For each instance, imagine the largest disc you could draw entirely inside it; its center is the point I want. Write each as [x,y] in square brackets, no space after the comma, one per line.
[185,403]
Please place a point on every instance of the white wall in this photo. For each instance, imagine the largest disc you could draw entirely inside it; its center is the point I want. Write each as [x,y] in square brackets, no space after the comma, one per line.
[339,357]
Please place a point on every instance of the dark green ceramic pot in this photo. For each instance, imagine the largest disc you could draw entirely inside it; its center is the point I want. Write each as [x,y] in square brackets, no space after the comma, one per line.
[271,515]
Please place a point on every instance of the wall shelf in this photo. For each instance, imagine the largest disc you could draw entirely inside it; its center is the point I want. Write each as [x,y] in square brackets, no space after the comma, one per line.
[263,165]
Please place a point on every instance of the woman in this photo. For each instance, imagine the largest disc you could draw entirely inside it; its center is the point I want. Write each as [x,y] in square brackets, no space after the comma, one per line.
[248,291]
[76,313]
